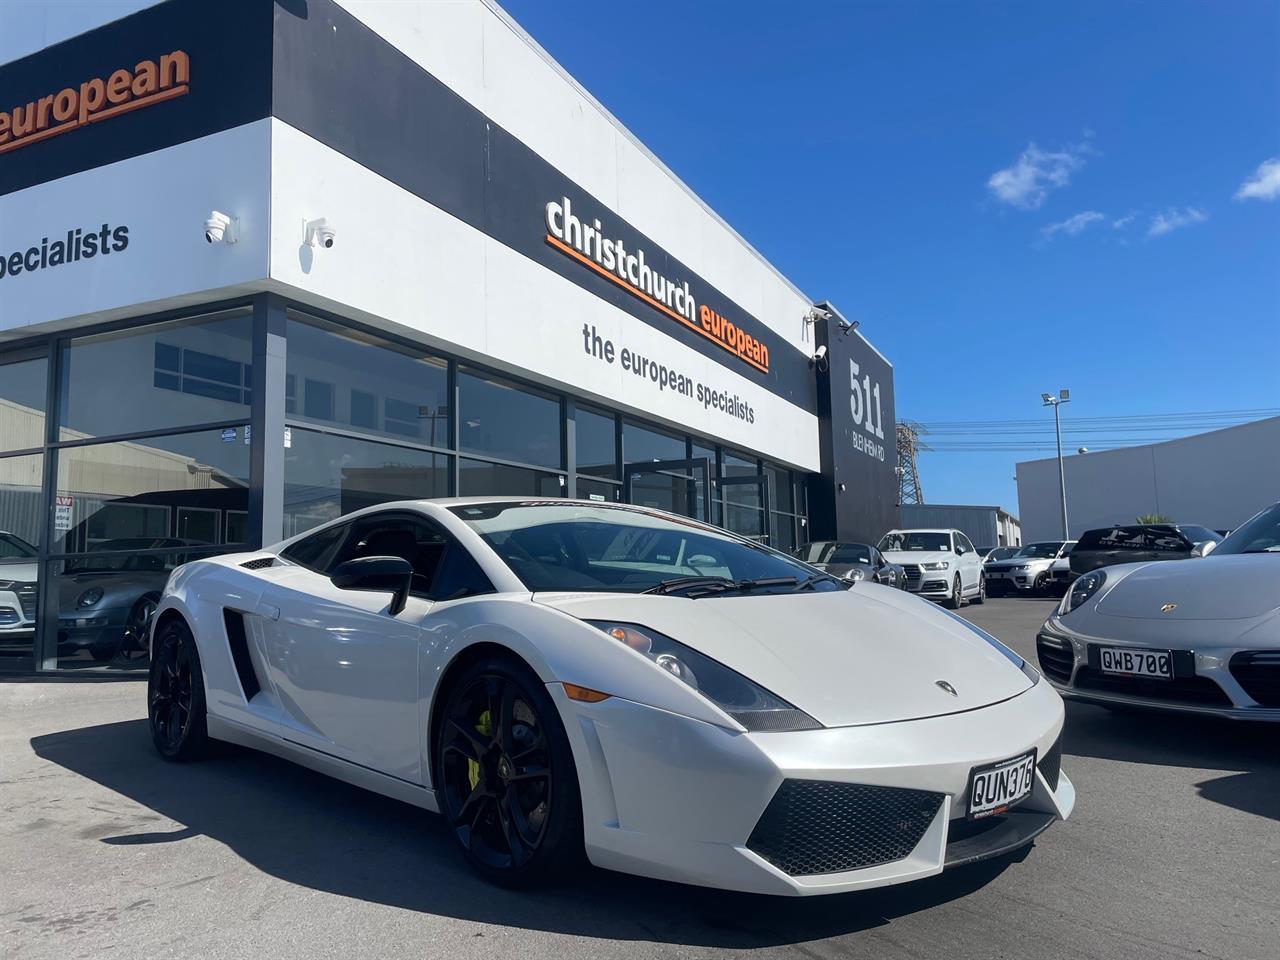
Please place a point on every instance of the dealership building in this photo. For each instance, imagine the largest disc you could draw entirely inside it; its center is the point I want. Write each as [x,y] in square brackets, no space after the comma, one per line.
[265,263]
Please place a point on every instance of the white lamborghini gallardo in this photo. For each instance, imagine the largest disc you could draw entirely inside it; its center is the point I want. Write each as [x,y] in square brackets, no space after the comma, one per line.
[561,677]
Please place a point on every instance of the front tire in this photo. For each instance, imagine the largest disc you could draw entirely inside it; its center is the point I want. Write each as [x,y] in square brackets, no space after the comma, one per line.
[1041,585]
[175,695]
[957,595]
[508,786]
[981,596]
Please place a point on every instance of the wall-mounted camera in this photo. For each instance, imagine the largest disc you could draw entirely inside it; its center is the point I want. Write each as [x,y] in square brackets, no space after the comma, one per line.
[819,359]
[320,233]
[220,228]
[826,310]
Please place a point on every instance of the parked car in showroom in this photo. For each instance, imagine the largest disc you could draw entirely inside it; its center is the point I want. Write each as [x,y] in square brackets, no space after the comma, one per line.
[106,602]
[1201,638]
[939,564]
[565,677]
[17,591]
[852,561]
[1141,542]
[1027,571]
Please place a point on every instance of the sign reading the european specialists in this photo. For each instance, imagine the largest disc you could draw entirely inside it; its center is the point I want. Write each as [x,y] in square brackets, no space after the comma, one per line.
[95,99]
[610,257]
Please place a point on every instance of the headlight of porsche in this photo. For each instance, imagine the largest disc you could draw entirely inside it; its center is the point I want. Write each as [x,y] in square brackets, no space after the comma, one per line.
[89,597]
[936,565]
[1081,590]
[856,575]
[747,702]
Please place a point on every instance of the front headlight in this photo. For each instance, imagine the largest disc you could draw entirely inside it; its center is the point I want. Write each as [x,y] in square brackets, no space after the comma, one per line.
[1081,590]
[936,565]
[89,597]
[747,702]
[856,575]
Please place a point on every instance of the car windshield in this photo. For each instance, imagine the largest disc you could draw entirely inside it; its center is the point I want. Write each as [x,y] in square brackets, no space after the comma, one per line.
[834,551]
[1197,534]
[554,545]
[1259,535]
[1002,553]
[916,541]
[1039,551]
[151,562]
[12,547]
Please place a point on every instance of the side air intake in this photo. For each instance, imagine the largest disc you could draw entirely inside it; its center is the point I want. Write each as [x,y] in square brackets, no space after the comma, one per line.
[258,563]
[239,644]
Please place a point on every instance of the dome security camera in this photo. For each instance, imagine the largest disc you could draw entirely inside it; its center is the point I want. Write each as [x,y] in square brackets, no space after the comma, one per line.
[320,233]
[220,228]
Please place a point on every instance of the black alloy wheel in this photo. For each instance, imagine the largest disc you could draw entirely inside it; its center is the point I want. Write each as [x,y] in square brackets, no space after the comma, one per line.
[507,783]
[1041,585]
[137,635]
[175,695]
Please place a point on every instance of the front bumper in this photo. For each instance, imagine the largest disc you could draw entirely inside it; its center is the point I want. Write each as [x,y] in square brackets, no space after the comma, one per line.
[1203,684]
[1024,580]
[92,629]
[678,799]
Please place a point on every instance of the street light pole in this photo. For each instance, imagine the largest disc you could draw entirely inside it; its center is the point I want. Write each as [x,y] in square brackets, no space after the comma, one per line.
[1064,396]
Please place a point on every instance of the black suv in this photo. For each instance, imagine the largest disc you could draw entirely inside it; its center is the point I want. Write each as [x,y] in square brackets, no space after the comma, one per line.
[1143,541]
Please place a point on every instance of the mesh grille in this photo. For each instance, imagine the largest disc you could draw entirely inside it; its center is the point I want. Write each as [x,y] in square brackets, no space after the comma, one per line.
[1051,764]
[258,563]
[8,615]
[27,597]
[1056,657]
[812,826]
[1258,671]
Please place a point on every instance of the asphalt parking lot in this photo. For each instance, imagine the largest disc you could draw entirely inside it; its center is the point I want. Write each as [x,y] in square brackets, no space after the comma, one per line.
[1173,851]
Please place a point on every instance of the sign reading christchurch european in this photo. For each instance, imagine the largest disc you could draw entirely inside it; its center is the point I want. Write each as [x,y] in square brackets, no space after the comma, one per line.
[590,245]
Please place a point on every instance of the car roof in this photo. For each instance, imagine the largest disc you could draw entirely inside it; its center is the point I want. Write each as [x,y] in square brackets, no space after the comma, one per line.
[922,530]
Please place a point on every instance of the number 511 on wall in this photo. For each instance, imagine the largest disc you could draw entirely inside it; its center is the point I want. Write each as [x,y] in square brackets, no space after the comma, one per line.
[861,397]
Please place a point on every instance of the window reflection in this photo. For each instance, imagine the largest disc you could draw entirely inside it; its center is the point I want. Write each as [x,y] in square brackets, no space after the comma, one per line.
[157,377]
[22,403]
[596,443]
[326,476]
[643,444]
[20,523]
[181,486]
[480,479]
[497,418]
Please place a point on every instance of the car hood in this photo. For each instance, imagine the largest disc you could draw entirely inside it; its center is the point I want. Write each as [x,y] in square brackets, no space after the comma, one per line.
[917,556]
[1019,562]
[1229,587]
[871,654]
[19,572]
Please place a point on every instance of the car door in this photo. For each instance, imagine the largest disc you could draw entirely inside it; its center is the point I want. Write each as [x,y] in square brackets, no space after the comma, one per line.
[969,561]
[344,668]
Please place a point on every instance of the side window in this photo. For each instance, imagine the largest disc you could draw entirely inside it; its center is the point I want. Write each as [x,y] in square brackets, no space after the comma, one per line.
[396,535]
[314,551]
[459,576]
[964,542]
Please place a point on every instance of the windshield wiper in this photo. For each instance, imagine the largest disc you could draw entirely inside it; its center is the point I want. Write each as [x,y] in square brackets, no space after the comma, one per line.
[808,582]
[681,583]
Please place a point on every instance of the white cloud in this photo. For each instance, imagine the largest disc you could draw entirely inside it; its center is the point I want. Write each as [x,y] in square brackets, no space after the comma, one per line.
[1073,226]
[1264,184]
[1035,173]
[1121,222]
[1173,218]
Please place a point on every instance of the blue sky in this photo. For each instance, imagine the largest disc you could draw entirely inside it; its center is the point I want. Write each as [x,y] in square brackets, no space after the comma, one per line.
[909,161]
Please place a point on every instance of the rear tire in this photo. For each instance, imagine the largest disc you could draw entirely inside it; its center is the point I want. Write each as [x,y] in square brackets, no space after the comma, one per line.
[505,774]
[954,601]
[176,712]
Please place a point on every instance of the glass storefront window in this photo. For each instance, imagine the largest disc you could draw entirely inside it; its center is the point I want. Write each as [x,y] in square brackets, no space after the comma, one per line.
[478,478]
[146,493]
[21,520]
[780,490]
[158,377]
[326,476]
[645,444]
[596,435]
[589,488]
[499,419]
[337,375]
[737,465]
[22,402]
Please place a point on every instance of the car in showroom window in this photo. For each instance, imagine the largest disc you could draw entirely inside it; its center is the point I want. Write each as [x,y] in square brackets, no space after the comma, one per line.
[515,665]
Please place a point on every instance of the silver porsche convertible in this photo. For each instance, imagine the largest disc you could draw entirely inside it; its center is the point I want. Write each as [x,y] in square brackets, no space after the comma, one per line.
[1196,636]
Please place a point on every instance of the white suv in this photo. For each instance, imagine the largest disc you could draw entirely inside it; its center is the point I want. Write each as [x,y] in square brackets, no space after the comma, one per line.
[940,564]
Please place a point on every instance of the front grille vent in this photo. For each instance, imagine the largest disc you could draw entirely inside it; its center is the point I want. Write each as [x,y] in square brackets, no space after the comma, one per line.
[1197,690]
[239,643]
[258,563]
[813,826]
[1056,657]
[1051,764]
[1258,671]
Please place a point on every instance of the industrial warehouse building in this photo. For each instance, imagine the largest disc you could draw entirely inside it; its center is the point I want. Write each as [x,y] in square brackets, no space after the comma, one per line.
[984,526]
[264,263]
[1217,479]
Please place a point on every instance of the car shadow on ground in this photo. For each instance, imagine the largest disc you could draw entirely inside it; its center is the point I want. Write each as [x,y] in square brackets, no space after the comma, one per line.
[310,830]
[1249,749]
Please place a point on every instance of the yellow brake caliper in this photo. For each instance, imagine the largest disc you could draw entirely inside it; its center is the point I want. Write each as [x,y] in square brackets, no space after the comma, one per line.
[485,729]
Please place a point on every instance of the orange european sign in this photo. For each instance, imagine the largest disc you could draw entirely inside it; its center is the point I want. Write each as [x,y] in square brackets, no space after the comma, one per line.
[99,98]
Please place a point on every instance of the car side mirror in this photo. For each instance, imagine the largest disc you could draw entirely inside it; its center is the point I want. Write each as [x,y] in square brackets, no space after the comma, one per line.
[959,550]
[392,575]
[1203,549]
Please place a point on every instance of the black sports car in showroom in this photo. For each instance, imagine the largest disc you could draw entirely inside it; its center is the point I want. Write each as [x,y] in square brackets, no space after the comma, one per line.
[852,561]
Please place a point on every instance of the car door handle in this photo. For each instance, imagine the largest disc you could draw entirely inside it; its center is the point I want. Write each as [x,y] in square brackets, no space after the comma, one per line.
[268,611]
